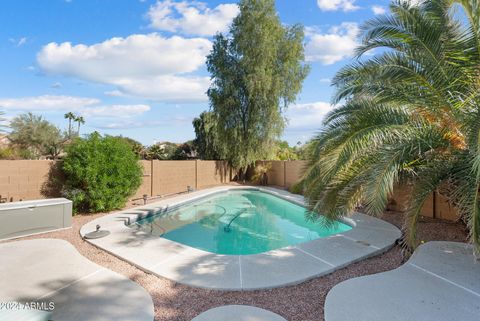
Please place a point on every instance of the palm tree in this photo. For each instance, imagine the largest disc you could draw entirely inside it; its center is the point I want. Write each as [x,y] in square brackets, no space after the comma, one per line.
[70,116]
[79,120]
[409,114]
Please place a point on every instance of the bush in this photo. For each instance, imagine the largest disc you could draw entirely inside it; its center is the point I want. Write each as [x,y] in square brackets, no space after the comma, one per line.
[260,173]
[297,188]
[101,173]
[7,153]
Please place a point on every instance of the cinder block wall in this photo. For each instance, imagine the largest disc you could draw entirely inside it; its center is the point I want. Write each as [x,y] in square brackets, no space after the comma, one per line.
[172,176]
[294,171]
[146,187]
[276,174]
[211,173]
[285,173]
[34,179]
[24,179]
[435,206]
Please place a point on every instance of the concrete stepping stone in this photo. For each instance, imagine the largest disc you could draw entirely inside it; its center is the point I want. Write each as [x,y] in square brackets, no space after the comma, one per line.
[440,282]
[52,271]
[238,313]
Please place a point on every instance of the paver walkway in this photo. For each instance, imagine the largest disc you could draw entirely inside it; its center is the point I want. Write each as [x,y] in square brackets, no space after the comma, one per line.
[51,270]
[238,313]
[440,282]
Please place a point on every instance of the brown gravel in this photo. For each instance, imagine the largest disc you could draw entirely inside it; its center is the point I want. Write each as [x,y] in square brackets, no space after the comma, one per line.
[303,302]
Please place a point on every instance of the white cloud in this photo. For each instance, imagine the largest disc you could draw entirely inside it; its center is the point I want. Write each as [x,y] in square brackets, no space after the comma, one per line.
[148,66]
[377,10]
[328,48]
[116,111]
[18,42]
[167,88]
[335,5]
[191,17]
[47,103]
[22,41]
[308,116]
[114,93]
[89,107]
[56,85]
[326,80]
[128,124]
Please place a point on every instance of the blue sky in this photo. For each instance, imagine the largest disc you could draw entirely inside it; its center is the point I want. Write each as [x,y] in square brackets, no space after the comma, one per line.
[137,68]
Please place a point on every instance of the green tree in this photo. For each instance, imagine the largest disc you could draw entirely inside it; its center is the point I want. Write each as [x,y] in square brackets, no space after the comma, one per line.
[163,151]
[186,150]
[284,151]
[206,141]
[257,71]
[70,116]
[80,121]
[101,173]
[136,146]
[305,151]
[410,114]
[37,135]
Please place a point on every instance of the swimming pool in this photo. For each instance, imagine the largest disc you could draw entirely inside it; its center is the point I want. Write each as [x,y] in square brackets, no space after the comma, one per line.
[238,222]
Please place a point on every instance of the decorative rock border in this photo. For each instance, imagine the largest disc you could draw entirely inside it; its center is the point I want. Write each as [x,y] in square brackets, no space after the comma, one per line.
[52,271]
[440,282]
[238,313]
[286,266]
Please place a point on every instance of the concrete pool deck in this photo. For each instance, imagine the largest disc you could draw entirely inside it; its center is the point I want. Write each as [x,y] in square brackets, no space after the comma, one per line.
[440,282]
[286,266]
[52,271]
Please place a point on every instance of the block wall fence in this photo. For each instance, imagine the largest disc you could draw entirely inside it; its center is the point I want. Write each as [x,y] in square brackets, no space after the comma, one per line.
[34,179]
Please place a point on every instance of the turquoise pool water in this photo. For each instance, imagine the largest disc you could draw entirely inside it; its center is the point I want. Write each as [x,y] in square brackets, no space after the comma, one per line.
[238,222]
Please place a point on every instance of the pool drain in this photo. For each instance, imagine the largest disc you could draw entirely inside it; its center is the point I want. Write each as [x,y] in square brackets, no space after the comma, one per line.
[98,233]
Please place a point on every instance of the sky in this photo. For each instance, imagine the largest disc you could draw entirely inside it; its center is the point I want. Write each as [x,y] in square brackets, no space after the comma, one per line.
[137,67]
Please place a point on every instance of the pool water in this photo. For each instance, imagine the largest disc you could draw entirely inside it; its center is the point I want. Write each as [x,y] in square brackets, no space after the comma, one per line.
[238,222]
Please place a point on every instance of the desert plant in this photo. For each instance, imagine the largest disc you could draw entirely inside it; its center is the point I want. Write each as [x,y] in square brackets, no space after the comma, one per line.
[260,173]
[8,153]
[101,173]
[409,114]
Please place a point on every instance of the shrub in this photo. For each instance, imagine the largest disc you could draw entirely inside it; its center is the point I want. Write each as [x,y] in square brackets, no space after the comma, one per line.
[260,173]
[297,188]
[7,153]
[101,173]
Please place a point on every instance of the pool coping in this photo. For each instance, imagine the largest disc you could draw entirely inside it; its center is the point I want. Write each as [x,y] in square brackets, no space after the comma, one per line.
[290,265]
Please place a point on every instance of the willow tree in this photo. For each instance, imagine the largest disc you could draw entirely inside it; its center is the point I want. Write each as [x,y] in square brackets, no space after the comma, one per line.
[206,136]
[257,70]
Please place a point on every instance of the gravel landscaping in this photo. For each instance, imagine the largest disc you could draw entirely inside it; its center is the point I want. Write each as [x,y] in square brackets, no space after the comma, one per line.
[303,302]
